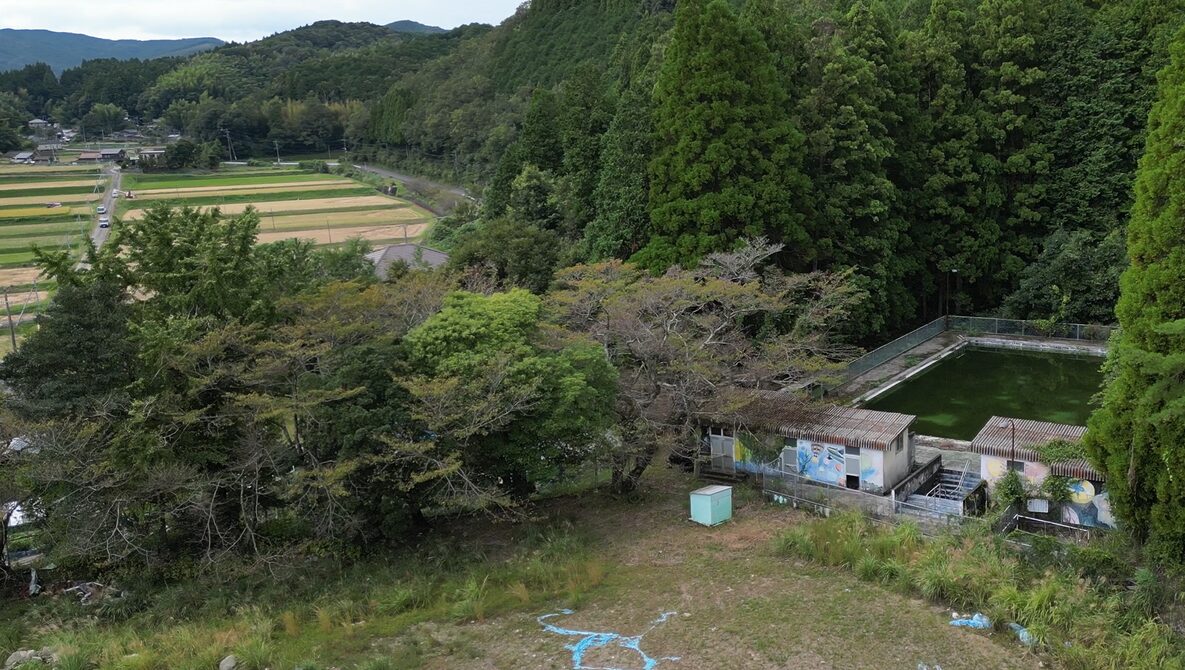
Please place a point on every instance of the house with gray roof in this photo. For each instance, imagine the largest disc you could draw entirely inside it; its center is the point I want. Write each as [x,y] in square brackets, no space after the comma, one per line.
[416,256]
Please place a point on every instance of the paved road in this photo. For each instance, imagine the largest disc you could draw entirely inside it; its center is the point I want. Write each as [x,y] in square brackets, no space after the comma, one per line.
[99,235]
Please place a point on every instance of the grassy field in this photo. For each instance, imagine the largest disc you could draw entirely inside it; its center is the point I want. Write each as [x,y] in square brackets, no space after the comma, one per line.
[327,209]
[474,602]
[25,219]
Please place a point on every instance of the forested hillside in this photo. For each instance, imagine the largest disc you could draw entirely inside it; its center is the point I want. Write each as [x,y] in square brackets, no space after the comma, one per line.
[984,145]
[65,50]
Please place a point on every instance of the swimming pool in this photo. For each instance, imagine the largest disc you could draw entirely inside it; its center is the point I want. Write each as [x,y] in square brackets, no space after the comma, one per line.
[956,396]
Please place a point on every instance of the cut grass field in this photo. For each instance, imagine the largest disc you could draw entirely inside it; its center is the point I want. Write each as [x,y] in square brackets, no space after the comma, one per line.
[472,598]
[147,182]
[289,206]
[254,189]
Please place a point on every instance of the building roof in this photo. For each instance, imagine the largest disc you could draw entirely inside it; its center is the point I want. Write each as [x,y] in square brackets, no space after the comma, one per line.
[793,416]
[849,426]
[414,255]
[86,155]
[995,439]
[49,147]
[39,122]
[23,156]
[111,152]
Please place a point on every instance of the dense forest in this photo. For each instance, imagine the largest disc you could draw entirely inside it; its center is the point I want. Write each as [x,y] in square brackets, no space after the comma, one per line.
[972,153]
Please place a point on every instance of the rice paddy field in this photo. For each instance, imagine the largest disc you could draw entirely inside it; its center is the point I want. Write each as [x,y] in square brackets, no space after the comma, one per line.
[324,208]
[27,218]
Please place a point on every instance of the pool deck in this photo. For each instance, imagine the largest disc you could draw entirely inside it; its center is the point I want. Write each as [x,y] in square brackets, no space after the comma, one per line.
[888,375]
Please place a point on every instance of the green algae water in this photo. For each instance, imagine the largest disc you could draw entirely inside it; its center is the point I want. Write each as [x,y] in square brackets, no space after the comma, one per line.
[956,397]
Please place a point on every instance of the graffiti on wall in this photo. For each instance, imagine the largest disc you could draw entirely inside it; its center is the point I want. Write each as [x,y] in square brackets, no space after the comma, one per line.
[821,462]
[590,641]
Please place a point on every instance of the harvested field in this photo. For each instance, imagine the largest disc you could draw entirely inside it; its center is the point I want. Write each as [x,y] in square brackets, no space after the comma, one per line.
[336,235]
[278,207]
[42,212]
[21,185]
[321,185]
[19,276]
[42,199]
[236,178]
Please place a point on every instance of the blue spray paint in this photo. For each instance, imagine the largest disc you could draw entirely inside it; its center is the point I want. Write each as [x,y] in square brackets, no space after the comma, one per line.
[591,640]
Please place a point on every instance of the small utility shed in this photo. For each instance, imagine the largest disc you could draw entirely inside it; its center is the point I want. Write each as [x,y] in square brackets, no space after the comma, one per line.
[842,446]
[1005,444]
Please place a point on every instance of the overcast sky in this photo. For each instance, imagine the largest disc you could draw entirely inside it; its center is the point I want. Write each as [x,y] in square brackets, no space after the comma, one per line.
[236,20]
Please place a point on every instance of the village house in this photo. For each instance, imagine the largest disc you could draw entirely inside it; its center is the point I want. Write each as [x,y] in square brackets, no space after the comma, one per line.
[89,157]
[1005,444]
[409,254]
[47,153]
[109,155]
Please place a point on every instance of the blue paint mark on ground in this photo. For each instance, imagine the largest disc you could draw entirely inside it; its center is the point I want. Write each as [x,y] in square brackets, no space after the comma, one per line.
[590,640]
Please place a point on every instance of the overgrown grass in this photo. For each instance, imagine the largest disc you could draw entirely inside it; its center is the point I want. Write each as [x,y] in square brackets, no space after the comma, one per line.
[224,180]
[270,196]
[319,615]
[1084,608]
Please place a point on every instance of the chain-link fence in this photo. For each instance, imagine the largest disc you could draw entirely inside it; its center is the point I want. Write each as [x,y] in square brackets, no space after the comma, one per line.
[788,487]
[981,325]
[886,353]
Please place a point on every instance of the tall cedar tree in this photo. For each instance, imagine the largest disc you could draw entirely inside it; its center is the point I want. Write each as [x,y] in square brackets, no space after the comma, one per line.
[728,162]
[945,222]
[848,116]
[1015,161]
[622,223]
[585,112]
[1137,437]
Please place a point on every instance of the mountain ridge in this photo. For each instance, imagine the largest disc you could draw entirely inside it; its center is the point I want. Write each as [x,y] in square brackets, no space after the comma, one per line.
[62,50]
[414,27]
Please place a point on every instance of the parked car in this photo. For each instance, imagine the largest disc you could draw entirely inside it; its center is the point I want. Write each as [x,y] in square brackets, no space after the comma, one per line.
[101,209]
[51,205]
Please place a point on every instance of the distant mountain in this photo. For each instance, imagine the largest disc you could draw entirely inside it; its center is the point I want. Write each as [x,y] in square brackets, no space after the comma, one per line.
[414,27]
[19,48]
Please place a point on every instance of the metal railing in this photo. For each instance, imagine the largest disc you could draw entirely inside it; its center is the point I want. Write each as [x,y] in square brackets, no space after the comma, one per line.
[791,488]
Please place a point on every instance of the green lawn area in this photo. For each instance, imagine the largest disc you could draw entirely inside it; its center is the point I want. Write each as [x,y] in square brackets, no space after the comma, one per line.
[225,180]
[473,603]
[24,229]
[32,179]
[16,258]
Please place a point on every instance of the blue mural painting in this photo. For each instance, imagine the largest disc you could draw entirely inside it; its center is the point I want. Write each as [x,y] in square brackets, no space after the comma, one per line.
[821,462]
[590,641]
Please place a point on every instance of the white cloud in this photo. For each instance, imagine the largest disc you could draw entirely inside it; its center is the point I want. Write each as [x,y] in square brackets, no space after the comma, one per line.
[237,20]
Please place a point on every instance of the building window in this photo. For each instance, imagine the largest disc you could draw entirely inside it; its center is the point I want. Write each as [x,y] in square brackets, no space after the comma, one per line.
[1017,466]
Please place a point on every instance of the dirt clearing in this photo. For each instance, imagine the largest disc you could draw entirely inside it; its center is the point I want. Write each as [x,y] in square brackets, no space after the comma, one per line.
[19,276]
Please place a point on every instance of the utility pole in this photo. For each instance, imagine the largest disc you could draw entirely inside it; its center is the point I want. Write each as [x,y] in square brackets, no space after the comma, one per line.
[11,328]
[230,148]
[277,143]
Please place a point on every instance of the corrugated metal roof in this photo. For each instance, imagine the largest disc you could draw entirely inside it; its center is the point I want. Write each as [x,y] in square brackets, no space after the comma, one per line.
[995,438]
[1078,468]
[711,490]
[849,426]
[792,415]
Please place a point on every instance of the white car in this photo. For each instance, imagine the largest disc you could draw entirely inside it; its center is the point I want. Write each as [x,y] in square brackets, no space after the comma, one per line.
[104,222]
[101,209]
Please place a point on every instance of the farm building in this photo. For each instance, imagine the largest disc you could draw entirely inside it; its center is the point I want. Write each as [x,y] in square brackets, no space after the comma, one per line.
[1005,444]
[47,152]
[112,154]
[37,124]
[840,446]
[412,255]
[89,157]
[22,157]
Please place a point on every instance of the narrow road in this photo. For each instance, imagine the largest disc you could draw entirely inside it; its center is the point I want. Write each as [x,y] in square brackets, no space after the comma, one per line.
[406,178]
[99,235]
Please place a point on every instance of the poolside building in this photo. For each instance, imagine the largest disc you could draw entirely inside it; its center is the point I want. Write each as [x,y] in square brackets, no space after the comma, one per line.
[845,447]
[1005,443]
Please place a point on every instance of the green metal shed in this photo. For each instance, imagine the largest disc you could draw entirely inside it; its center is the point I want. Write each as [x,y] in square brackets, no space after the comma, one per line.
[711,505]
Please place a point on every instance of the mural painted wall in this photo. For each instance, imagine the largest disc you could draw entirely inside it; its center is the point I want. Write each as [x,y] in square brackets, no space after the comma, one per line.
[872,469]
[992,468]
[1089,503]
[821,462]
